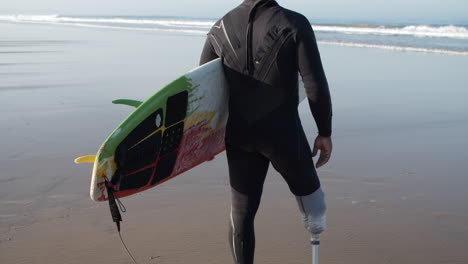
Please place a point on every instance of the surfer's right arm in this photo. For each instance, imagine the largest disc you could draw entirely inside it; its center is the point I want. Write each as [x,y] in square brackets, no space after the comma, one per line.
[316,86]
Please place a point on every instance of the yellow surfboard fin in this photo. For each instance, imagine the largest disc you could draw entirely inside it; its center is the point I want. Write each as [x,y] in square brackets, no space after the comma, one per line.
[85,159]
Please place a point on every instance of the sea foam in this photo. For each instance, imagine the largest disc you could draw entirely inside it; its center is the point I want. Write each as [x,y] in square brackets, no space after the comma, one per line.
[449,31]
[395,48]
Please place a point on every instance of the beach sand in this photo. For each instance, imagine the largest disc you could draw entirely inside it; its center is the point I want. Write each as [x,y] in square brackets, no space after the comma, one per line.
[395,187]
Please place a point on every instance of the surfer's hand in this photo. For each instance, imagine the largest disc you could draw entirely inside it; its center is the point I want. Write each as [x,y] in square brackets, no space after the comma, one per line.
[324,144]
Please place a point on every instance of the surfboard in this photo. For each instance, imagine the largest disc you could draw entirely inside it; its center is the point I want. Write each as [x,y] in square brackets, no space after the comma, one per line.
[180,126]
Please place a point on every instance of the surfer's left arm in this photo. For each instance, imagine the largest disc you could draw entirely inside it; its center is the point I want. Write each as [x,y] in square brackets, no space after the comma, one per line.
[208,53]
[316,86]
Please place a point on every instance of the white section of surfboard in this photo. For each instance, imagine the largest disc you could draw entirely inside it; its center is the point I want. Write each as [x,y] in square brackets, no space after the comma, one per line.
[213,91]
[211,77]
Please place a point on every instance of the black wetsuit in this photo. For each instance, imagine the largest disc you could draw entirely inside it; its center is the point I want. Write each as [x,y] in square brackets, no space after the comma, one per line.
[264,47]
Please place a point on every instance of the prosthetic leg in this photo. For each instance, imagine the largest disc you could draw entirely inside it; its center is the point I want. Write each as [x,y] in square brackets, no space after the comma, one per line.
[313,210]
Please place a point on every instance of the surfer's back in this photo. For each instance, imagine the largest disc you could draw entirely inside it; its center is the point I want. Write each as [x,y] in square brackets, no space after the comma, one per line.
[264,46]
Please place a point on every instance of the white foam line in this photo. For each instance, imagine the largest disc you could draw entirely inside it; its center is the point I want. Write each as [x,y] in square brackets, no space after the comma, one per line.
[136,28]
[58,19]
[172,23]
[394,48]
[197,32]
[417,31]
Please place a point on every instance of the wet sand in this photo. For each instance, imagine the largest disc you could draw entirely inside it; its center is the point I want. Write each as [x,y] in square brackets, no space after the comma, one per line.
[395,188]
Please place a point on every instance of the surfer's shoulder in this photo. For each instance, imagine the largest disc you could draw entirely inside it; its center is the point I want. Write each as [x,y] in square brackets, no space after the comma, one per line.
[295,19]
[233,17]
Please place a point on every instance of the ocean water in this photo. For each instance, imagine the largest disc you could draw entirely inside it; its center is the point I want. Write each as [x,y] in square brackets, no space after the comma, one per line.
[414,37]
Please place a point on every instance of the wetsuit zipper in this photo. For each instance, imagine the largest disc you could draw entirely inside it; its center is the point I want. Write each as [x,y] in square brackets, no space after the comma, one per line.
[249,58]
[250,64]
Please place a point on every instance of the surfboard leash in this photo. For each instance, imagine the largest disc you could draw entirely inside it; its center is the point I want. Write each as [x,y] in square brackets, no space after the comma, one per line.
[114,205]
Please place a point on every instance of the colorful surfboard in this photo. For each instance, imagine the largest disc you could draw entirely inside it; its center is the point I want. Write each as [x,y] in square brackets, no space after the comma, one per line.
[179,127]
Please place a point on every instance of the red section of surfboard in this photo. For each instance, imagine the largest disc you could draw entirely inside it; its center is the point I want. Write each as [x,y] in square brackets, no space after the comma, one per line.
[199,144]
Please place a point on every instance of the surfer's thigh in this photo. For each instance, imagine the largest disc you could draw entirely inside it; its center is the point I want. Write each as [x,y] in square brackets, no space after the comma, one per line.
[296,166]
[247,170]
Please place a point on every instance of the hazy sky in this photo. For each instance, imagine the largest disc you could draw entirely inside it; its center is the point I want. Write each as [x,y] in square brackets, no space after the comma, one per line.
[425,10]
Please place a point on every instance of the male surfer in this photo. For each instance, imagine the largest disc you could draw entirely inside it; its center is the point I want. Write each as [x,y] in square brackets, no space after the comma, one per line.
[263,47]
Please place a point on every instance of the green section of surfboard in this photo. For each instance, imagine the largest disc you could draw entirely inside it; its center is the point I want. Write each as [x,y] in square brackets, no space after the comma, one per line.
[157,101]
